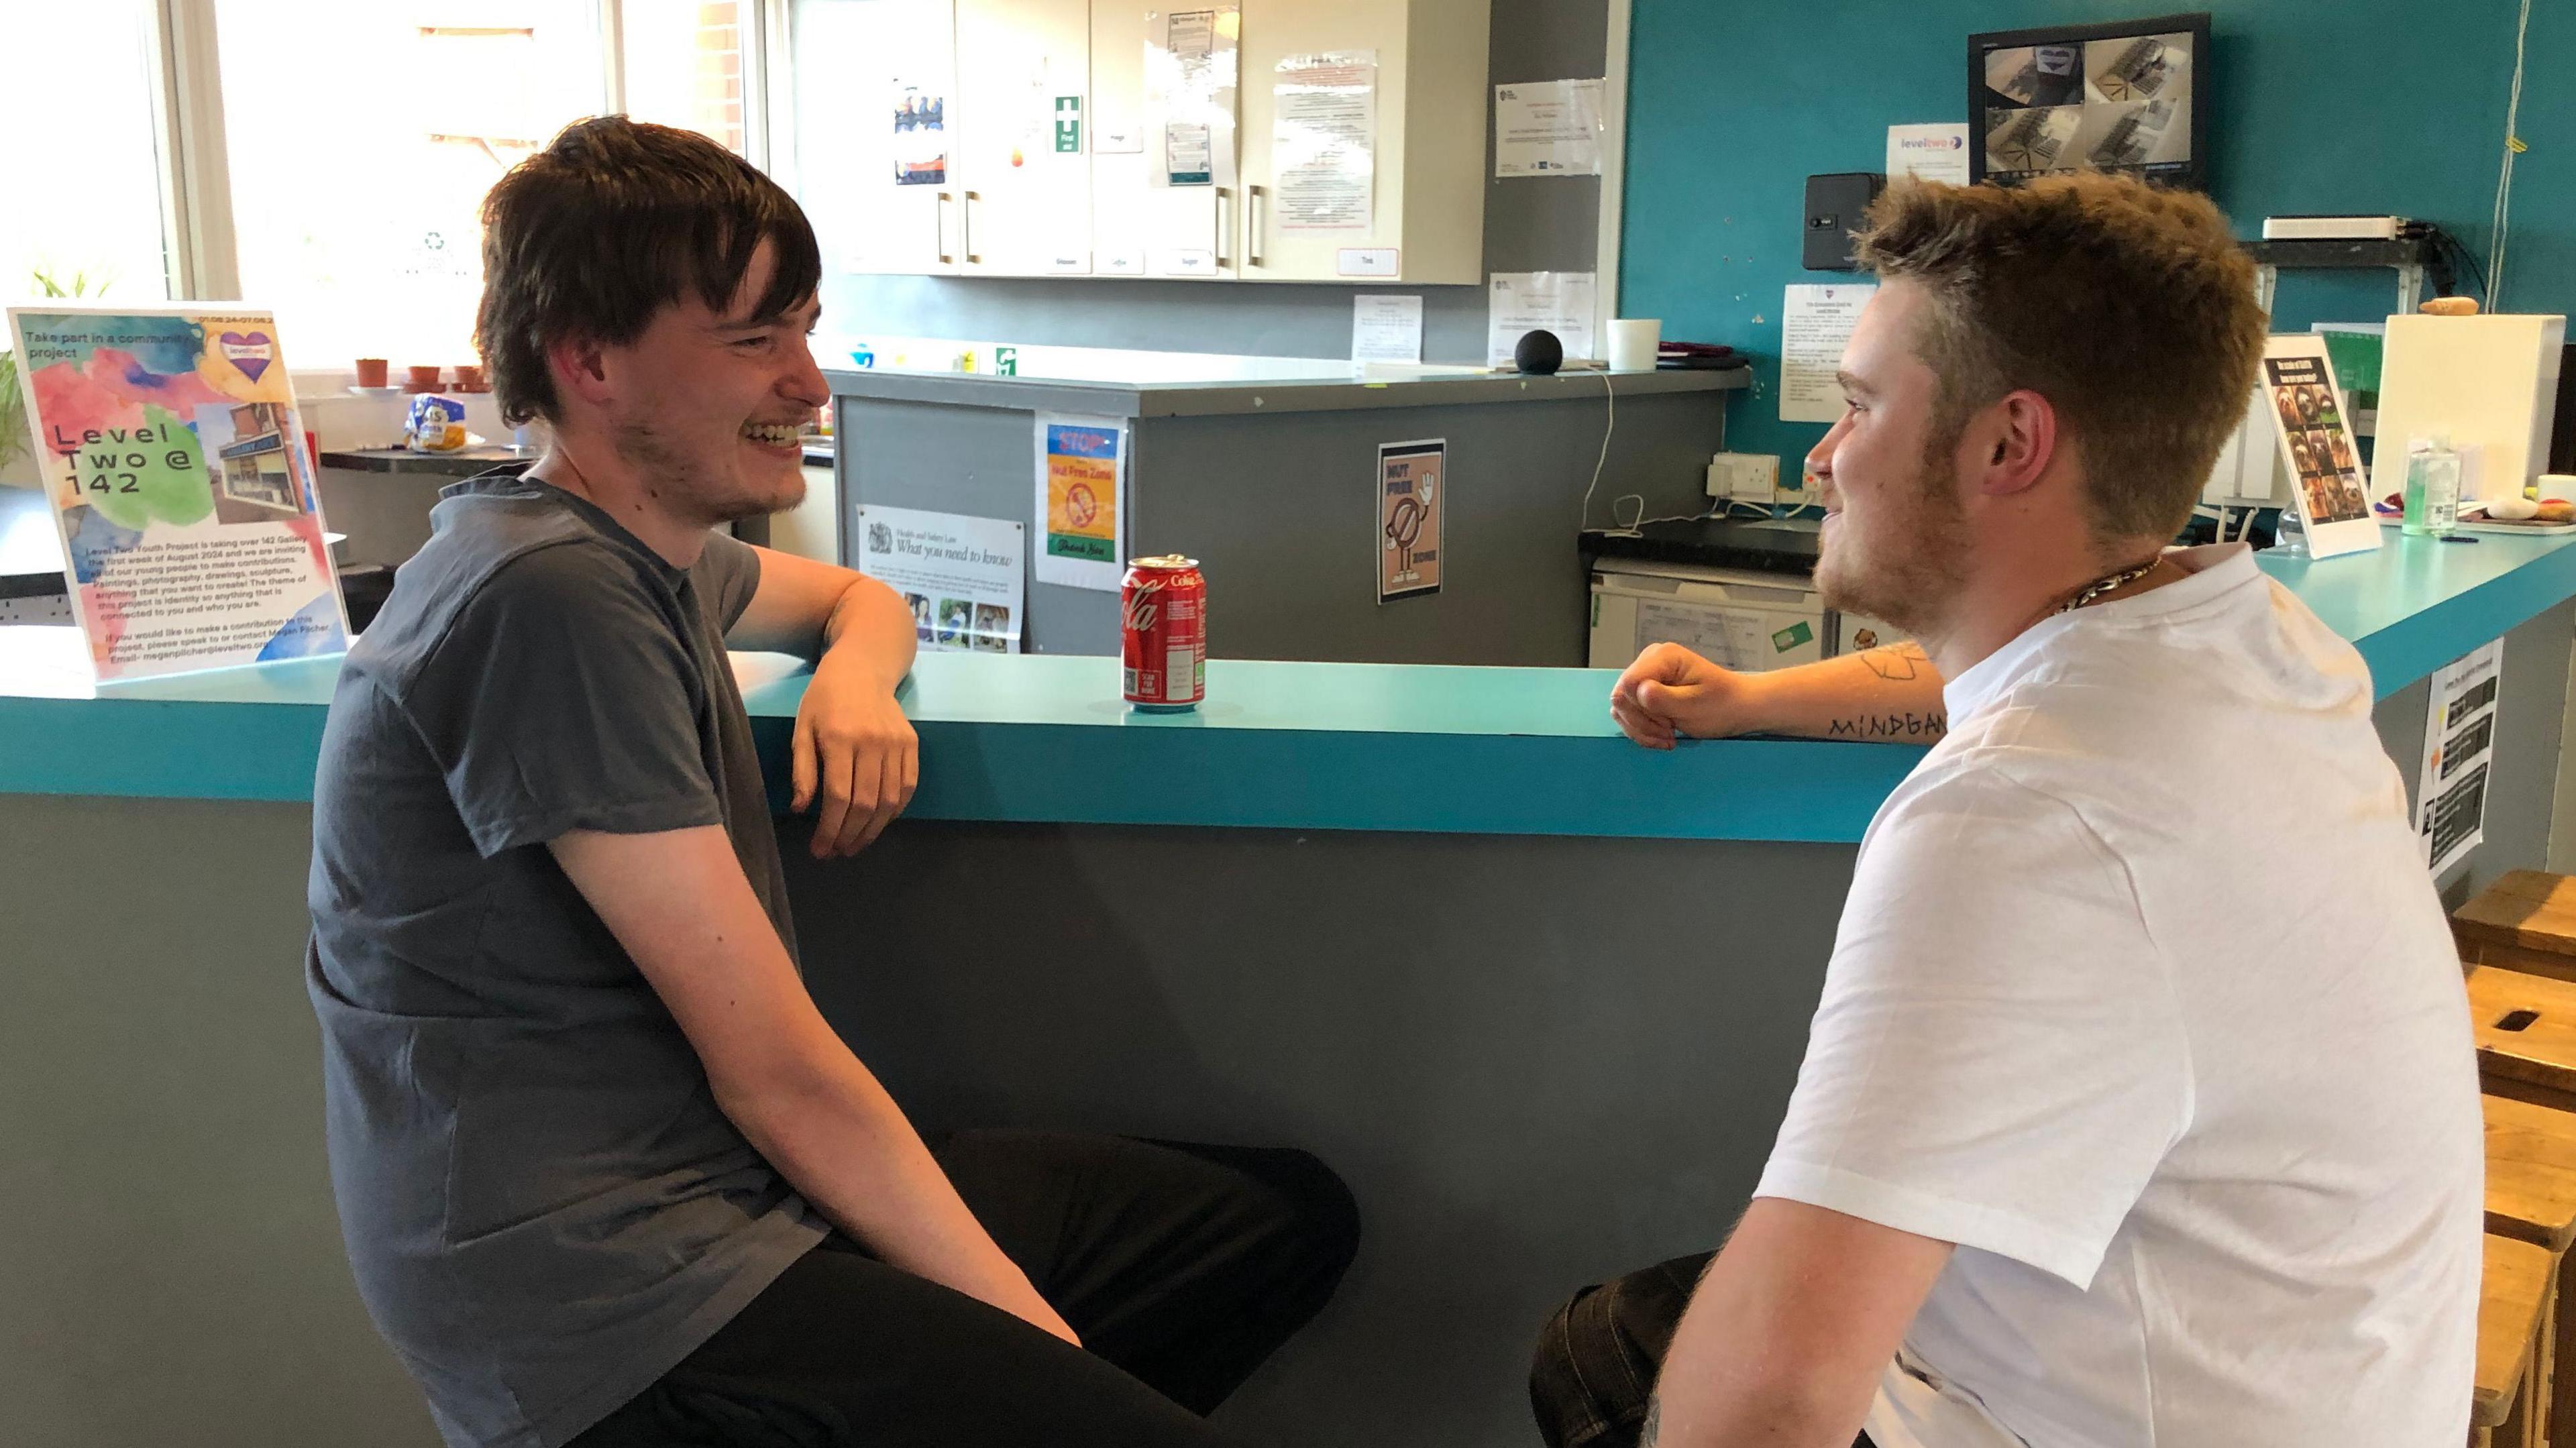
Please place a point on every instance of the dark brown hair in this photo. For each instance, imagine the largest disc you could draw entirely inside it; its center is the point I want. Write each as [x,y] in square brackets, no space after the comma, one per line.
[610,223]
[2129,308]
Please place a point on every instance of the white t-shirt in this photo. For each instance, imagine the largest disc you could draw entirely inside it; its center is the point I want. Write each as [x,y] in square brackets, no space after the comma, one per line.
[2142,997]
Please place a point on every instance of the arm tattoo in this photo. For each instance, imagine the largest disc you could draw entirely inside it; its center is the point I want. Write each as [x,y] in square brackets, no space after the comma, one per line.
[1654,1423]
[1897,663]
[1889,726]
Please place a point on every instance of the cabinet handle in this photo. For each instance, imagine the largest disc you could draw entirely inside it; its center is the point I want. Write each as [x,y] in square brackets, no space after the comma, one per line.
[967,243]
[1225,223]
[1258,219]
[939,226]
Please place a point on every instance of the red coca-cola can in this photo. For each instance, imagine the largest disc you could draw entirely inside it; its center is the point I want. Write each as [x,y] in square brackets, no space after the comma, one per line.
[1165,652]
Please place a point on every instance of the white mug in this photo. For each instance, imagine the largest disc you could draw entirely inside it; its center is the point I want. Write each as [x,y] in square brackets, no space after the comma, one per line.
[1633,342]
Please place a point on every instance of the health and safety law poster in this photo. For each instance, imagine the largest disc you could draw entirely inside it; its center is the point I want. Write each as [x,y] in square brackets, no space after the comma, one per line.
[170,446]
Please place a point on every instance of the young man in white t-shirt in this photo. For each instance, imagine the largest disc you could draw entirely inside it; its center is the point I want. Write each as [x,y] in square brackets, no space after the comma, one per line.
[2140,1107]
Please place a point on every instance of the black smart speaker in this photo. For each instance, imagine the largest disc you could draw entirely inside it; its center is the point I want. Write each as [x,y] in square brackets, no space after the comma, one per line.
[1539,353]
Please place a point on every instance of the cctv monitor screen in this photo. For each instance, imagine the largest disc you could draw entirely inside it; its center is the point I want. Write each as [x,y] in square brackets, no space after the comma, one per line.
[2129,96]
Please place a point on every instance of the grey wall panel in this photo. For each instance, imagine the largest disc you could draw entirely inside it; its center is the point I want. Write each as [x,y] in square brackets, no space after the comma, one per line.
[975,460]
[1531,224]
[1284,513]
[172,1272]
[1537,1061]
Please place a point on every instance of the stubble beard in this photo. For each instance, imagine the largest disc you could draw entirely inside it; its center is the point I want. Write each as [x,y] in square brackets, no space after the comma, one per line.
[1906,575]
[705,491]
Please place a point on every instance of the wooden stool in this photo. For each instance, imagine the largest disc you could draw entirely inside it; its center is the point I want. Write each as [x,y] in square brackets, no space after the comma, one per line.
[2526,1033]
[2510,1323]
[2531,1197]
[2525,921]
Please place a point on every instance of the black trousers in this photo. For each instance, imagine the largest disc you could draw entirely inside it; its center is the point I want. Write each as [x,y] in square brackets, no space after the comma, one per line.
[1181,1266]
[1595,1368]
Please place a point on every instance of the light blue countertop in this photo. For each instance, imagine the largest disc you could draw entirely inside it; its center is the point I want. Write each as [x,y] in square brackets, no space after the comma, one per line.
[1282,745]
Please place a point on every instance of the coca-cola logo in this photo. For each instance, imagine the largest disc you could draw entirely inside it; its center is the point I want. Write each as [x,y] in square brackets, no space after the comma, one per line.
[1144,608]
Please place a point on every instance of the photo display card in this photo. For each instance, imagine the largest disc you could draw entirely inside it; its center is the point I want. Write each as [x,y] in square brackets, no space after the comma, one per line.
[2316,442]
[171,449]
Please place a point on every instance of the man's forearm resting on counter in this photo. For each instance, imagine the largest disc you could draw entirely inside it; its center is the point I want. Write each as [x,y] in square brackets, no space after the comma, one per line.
[853,748]
[1887,694]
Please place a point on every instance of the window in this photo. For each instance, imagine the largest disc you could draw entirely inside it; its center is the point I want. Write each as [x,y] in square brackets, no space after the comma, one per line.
[361,138]
[104,228]
[354,140]
[684,65]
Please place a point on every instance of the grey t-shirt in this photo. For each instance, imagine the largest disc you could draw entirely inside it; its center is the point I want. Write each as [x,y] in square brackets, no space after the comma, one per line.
[544,1206]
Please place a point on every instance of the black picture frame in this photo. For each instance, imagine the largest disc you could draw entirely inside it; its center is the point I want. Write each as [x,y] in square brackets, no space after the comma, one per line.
[2191,173]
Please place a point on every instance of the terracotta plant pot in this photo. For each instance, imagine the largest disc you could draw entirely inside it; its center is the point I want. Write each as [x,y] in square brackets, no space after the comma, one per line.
[423,379]
[469,378]
[371,371]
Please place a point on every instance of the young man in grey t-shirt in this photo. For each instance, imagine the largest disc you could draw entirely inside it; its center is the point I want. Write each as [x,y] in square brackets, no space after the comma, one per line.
[605,1174]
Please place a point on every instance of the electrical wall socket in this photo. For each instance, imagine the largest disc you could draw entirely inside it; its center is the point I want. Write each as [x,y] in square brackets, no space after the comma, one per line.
[1745,477]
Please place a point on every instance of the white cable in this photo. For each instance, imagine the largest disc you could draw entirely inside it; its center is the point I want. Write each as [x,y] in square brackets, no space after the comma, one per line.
[2503,215]
[1607,426]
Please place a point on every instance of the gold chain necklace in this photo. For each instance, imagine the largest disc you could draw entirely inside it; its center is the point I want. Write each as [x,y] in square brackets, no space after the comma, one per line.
[2103,585]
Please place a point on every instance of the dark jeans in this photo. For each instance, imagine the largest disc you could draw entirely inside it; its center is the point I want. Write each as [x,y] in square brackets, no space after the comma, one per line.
[1182,1267]
[1596,1363]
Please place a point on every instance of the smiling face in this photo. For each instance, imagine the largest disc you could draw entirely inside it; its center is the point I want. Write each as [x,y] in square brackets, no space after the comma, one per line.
[1896,541]
[708,405]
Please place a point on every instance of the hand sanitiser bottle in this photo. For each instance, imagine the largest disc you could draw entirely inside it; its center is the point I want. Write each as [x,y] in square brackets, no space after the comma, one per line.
[2432,487]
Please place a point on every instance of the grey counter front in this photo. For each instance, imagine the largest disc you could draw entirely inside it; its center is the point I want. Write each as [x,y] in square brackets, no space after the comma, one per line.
[1271,485]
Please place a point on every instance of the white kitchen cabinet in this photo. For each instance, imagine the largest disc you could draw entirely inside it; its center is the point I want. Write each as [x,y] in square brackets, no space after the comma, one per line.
[876,112]
[1425,201]
[987,193]
[1024,207]
[1140,228]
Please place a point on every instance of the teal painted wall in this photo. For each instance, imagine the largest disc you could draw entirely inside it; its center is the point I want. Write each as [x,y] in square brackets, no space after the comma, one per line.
[2319,105]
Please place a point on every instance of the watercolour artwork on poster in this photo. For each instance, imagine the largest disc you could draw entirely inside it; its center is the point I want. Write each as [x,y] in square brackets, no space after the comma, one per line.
[1081,501]
[2459,752]
[170,446]
[2316,444]
[963,577]
[1412,496]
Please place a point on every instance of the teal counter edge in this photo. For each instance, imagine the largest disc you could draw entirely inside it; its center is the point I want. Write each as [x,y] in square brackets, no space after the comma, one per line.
[1282,746]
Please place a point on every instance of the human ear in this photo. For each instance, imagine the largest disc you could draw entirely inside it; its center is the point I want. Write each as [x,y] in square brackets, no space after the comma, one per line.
[580,367]
[2017,439]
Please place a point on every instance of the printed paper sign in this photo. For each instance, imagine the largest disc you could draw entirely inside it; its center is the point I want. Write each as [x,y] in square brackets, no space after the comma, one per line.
[1518,303]
[1548,128]
[171,448]
[1412,491]
[1929,153]
[1324,140]
[1815,323]
[961,575]
[2316,443]
[2459,749]
[1385,328]
[1081,488]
